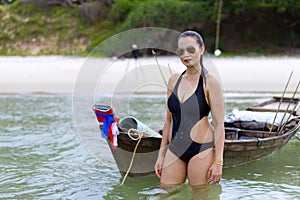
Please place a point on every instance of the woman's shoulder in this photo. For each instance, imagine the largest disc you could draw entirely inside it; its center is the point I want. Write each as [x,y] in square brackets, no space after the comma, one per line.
[173,80]
[174,77]
[212,81]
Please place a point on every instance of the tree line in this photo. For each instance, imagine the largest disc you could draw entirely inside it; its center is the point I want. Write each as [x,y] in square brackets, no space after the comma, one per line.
[263,24]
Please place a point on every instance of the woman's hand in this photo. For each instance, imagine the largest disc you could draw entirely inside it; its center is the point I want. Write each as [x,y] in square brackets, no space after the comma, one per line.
[214,173]
[158,166]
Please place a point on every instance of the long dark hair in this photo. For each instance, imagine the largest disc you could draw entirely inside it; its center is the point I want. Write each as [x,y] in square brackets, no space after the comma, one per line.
[200,41]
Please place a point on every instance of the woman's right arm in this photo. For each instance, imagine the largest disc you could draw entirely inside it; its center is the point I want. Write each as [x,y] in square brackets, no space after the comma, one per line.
[163,146]
[165,138]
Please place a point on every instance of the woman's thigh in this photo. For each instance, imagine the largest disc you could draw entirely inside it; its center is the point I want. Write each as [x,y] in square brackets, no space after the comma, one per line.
[198,167]
[174,170]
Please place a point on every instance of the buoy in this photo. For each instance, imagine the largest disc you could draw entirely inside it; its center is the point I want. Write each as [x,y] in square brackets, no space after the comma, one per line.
[218,52]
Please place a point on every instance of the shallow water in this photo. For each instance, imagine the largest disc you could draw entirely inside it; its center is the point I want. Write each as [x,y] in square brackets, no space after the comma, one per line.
[44,155]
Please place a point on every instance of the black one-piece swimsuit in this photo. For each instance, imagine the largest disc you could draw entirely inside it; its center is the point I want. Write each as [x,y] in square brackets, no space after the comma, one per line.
[185,115]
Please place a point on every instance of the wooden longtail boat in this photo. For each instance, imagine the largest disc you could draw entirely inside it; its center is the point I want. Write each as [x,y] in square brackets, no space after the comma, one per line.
[245,140]
[249,144]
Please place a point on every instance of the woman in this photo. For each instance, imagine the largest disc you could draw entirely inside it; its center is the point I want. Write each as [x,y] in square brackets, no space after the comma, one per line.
[191,146]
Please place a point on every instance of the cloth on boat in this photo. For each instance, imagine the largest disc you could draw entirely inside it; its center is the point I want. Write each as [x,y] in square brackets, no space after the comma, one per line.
[108,123]
[256,120]
[114,134]
[110,129]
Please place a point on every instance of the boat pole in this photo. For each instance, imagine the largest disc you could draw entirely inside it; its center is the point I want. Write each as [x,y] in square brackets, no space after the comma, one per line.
[281,100]
[296,105]
[171,73]
[161,73]
[217,51]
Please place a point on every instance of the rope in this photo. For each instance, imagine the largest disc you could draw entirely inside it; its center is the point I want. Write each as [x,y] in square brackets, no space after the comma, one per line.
[138,139]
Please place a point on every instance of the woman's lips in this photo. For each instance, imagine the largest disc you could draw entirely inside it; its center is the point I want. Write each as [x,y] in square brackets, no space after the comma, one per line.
[187,60]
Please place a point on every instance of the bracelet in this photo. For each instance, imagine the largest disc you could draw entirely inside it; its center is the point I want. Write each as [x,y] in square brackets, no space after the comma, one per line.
[218,163]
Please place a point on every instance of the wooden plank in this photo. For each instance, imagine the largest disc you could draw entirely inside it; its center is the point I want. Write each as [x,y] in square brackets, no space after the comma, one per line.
[272,105]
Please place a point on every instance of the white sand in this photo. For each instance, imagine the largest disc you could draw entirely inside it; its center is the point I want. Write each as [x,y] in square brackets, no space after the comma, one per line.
[38,74]
[258,74]
[55,74]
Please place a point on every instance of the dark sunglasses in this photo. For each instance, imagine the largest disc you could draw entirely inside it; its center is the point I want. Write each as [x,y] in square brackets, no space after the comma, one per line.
[189,49]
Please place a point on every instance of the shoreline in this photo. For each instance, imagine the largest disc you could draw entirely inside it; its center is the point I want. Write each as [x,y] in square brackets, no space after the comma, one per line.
[58,74]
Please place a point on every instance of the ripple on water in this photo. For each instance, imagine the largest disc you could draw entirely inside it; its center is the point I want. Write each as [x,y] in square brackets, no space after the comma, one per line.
[42,157]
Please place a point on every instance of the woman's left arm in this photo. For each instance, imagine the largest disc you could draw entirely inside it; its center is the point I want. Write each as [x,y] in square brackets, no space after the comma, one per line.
[216,101]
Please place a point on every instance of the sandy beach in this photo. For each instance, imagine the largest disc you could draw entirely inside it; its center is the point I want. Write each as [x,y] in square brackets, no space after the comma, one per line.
[57,74]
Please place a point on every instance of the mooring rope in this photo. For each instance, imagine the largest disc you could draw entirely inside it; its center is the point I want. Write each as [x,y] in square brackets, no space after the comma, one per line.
[138,139]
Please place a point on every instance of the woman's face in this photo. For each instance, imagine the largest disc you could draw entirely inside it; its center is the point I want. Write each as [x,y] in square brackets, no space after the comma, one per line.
[189,51]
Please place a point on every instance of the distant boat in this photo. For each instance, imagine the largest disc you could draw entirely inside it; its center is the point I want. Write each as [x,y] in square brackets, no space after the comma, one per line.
[246,139]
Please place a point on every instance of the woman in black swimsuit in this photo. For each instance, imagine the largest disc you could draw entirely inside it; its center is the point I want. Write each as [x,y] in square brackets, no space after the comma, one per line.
[191,146]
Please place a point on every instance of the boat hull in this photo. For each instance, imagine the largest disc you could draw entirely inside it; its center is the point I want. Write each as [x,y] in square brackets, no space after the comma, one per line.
[143,160]
[236,152]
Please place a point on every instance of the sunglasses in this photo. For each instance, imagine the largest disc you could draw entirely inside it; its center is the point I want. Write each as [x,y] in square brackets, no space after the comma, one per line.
[189,49]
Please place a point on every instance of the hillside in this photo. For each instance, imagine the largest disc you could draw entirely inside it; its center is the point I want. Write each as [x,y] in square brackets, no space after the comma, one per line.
[28,29]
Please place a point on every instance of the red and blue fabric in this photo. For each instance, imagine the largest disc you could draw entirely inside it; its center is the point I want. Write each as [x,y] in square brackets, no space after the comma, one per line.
[109,119]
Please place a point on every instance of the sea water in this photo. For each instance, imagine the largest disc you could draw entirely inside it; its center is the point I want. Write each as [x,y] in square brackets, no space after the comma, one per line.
[44,154]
